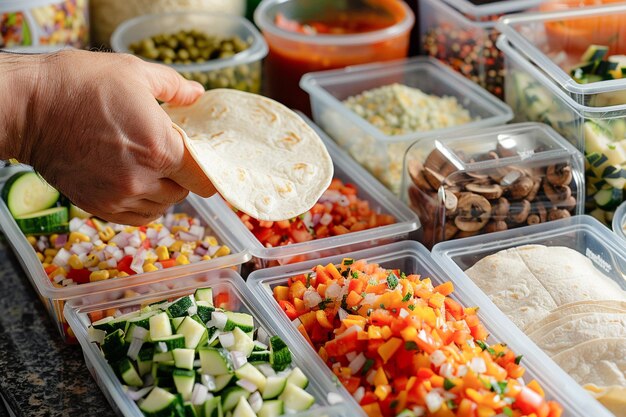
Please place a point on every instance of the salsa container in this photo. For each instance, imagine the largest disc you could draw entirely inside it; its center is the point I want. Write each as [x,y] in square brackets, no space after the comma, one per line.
[44,22]
[383,154]
[55,297]
[463,34]
[591,116]
[458,189]
[241,299]
[581,233]
[242,71]
[413,257]
[293,54]
[346,169]
[619,221]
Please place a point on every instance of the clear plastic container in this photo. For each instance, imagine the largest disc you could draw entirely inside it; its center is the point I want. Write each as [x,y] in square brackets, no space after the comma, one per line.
[581,233]
[44,22]
[597,131]
[223,281]
[293,54]
[414,258]
[242,71]
[619,221]
[383,154]
[494,179]
[380,200]
[54,297]
[462,33]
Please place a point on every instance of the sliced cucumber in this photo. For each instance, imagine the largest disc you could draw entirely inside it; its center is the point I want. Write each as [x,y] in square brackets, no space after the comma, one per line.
[259,357]
[183,358]
[222,381]
[176,322]
[128,374]
[192,331]
[272,408]
[213,407]
[159,403]
[243,342]
[298,378]
[215,361]
[180,307]
[184,381]
[204,310]
[26,192]
[169,343]
[103,324]
[190,410]
[249,373]
[51,220]
[231,396]
[243,409]
[242,320]
[274,386]
[77,212]
[144,359]
[280,356]
[205,295]
[114,347]
[161,357]
[160,326]
[609,199]
[296,399]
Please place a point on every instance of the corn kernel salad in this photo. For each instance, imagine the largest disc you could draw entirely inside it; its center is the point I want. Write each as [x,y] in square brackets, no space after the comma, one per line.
[95,250]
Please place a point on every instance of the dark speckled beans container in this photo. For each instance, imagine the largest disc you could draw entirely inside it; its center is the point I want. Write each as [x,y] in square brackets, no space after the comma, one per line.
[462,34]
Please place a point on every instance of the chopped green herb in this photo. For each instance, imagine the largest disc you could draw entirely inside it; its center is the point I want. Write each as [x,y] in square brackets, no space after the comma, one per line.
[402,275]
[491,351]
[382,306]
[411,307]
[308,280]
[367,366]
[348,261]
[407,297]
[392,281]
[482,344]
[507,411]
[394,310]
[451,404]
[363,294]
[410,345]
[499,388]
[500,354]
[324,303]
[355,275]
[518,359]
[447,384]
[344,304]
[485,383]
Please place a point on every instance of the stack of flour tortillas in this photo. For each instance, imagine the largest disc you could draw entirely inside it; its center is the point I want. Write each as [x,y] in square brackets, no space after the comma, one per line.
[575,313]
[260,156]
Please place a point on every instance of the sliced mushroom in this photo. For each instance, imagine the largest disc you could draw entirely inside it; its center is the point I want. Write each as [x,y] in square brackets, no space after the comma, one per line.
[416,172]
[434,178]
[556,194]
[519,211]
[478,178]
[521,188]
[449,231]
[541,211]
[556,214]
[435,160]
[464,233]
[501,209]
[510,177]
[559,174]
[533,219]
[424,203]
[450,202]
[505,152]
[496,226]
[474,212]
[491,155]
[569,204]
[535,190]
[490,192]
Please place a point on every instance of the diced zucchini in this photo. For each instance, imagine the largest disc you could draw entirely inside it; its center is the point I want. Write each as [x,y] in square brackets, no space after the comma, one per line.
[175,341]
[242,320]
[594,53]
[296,399]
[162,357]
[26,192]
[159,403]
[231,395]
[215,361]
[183,358]
[163,374]
[103,324]
[213,407]
[180,307]
[184,381]
[127,372]
[204,310]
[243,342]
[192,332]
[251,374]
[243,409]
[222,381]
[609,199]
[204,295]
[114,347]
[50,220]
[160,326]
[274,408]
[280,356]
[144,361]
[298,378]
[142,320]
[274,386]
[176,322]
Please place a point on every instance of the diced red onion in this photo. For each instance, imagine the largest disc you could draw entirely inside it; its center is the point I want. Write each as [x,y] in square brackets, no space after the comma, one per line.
[134,348]
[138,260]
[316,219]
[184,222]
[118,255]
[437,358]
[200,250]
[266,369]
[163,233]
[197,231]
[357,363]
[349,331]
[61,257]
[139,333]
[296,322]
[75,224]
[129,250]
[58,278]
[42,245]
[87,230]
[136,395]
[326,219]
[60,241]
[334,398]
[343,201]
[350,356]
[120,239]
[247,385]
[418,410]
[447,370]
[333,291]
[194,258]
[311,298]
[255,401]
[151,233]
[213,250]
[199,394]
[370,377]
[478,365]
[158,265]
[185,236]
[307,219]
[112,263]
[343,314]
[434,401]
[359,394]
[208,381]
[101,256]
[134,241]
[161,346]
[169,220]
[403,313]
[167,241]
[239,359]
[218,319]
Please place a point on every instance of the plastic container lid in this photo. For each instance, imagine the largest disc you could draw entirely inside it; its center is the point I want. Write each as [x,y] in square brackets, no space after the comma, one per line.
[410,256]
[490,8]
[478,101]
[619,221]
[266,12]
[141,27]
[369,189]
[515,27]
[240,299]
[17,5]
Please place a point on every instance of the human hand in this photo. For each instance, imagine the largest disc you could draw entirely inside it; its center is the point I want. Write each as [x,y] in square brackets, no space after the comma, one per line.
[95,131]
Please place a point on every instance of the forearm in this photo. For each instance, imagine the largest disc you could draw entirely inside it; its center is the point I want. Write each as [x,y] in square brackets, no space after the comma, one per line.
[19,76]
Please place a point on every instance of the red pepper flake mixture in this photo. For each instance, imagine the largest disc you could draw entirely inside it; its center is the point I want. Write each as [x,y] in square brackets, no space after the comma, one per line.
[337,212]
[404,347]
[94,250]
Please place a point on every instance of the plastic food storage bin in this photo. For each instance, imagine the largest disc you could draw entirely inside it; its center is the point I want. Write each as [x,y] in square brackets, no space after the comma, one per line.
[242,71]
[383,154]
[240,299]
[47,22]
[492,179]
[581,233]
[382,34]
[619,221]
[380,200]
[55,297]
[539,50]
[412,257]
[463,34]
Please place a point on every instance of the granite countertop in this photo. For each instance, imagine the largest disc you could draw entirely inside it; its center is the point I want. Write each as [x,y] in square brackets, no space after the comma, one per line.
[40,375]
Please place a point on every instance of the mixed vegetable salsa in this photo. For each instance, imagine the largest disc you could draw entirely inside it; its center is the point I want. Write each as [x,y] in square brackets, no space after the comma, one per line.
[403,346]
[192,356]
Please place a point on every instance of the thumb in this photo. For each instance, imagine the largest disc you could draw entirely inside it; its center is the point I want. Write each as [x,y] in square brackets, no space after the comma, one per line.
[169,86]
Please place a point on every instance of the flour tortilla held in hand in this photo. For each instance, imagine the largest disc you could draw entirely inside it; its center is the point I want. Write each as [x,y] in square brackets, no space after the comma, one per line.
[260,156]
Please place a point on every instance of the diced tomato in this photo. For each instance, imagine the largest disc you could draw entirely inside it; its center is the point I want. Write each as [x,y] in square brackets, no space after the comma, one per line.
[124,265]
[289,309]
[529,402]
[351,383]
[222,300]
[79,276]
